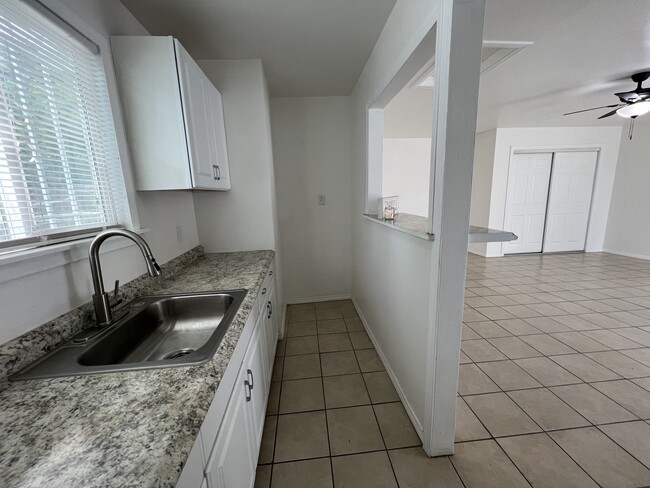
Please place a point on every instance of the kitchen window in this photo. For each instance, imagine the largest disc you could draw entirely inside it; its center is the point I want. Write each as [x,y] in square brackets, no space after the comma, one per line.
[60,171]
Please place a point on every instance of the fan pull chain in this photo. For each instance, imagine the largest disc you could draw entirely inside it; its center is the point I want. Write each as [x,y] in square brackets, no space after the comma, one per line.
[629,135]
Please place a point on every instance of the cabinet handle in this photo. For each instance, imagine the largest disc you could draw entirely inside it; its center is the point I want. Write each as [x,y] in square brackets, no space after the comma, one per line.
[270,273]
[247,390]
[216,172]
[264,291]
[250,373]
[269,307]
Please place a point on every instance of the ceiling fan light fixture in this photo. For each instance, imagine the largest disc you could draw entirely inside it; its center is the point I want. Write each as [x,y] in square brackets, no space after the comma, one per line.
[634,109]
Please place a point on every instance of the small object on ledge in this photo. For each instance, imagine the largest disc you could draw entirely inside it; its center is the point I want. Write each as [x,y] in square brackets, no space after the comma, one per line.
[388,208]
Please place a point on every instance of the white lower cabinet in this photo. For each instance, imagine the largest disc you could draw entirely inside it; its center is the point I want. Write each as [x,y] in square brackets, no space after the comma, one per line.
[231,434]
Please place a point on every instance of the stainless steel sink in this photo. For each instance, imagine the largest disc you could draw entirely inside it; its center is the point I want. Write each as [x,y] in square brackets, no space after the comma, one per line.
[154,332]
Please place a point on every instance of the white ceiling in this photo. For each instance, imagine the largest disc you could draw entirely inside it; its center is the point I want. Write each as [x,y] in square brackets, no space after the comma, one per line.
[582,47]
[308,47]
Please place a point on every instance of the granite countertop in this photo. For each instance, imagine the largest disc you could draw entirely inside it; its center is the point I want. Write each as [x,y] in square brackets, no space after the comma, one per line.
[123,429]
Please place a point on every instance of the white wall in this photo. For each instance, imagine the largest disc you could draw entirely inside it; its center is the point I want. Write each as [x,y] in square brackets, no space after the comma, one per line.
[30,301]
[240,219]
[392,271]
[628,227]
[605,139]
[482,184]
[312,148]
[405,172]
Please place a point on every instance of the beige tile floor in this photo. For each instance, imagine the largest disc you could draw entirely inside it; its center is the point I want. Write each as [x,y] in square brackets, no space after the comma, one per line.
[554,386]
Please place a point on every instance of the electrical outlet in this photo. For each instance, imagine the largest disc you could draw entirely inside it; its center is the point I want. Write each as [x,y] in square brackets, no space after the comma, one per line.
[179,233]
[321,199]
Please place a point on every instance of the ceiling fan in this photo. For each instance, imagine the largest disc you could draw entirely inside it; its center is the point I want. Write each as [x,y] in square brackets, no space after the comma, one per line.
[632,103]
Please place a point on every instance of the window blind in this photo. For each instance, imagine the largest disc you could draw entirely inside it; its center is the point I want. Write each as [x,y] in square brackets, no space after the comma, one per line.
[60,172]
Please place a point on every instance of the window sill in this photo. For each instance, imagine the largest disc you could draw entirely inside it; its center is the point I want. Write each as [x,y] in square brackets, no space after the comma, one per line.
[18,264]
[407,223]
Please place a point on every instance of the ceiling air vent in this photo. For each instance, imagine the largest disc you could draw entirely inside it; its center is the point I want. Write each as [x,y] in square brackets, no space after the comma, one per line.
[494,53]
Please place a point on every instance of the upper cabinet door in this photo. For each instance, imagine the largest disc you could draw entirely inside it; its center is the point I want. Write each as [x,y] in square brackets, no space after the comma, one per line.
[219,144]
[199,125]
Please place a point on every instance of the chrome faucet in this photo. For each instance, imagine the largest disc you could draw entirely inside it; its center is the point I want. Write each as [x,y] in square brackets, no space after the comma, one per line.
[101,301]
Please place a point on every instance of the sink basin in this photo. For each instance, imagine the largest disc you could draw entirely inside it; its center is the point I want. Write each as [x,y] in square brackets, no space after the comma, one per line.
[154,332]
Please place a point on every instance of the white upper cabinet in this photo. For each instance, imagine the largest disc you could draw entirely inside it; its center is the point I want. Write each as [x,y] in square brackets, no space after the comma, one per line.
[173,116]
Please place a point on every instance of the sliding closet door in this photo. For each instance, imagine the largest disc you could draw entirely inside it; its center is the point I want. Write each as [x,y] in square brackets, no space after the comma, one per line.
[567,218]
[527,194]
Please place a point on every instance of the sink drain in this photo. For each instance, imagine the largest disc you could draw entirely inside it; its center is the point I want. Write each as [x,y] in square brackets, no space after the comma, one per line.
[178,354]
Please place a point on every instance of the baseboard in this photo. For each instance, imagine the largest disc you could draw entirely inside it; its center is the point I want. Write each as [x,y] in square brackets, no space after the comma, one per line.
[327,298]
[628,254]
[407,406]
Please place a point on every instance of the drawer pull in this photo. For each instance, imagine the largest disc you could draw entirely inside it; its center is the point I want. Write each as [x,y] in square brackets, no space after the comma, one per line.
[271,273]
[247,391]
[250,374]
[269,307]
[264,291]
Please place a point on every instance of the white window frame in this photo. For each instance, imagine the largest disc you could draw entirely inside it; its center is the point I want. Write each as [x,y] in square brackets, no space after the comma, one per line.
[13,262]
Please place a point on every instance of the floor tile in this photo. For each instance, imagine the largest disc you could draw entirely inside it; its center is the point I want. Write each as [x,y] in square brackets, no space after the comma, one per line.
[508,376]
[349,313]
[579,342]
[301,329]
[353,430]
[395,426]
[301,345]
[369,470]
[263,476]
[278,366]
[576,323]
[468,426]
[273,404]
[635,334]
[298,367]
[300,315]
[640,355]
[603,460]
[335,363]
[610,339]
[472,381]
[620,364]
[380,387]
[302,395]
[345,391]
[489,329]
[369,360]
[547,372]
[500,415]
[353,324]
[482,464]
[470,315]
[547,345]
[268,440]
[547,410]
[332,326]
[329,313]
[584,368]
[315,473]
[628,395]
[514,347]
[280,350]
[301,436]
[334,342]
[481,350]
[517,327]
[468,333]
[360,340]
[634,437]
[414,469]
[495,313]
[547,325]
[543,463]
[591,404]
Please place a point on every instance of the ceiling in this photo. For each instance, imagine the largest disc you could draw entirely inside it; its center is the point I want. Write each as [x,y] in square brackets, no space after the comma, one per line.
[308,47]
[583,52]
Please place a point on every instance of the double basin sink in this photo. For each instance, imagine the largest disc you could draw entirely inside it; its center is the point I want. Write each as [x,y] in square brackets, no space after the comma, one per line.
[150,332]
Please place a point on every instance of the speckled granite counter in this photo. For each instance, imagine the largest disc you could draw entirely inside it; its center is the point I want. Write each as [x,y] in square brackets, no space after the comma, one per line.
[122,429]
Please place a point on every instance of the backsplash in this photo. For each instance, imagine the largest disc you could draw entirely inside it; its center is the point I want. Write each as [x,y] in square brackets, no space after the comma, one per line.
[33,344]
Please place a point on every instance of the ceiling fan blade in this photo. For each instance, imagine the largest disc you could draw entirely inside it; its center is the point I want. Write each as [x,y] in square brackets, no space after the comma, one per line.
[608,114]
[595,108]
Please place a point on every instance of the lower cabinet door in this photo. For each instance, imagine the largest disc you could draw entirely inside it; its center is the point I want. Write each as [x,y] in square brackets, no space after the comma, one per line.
[231,462]
[256,369]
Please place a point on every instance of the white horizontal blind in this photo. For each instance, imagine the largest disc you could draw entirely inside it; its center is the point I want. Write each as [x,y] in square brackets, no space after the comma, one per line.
[60,172]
